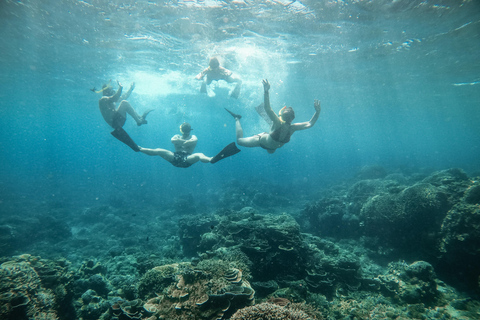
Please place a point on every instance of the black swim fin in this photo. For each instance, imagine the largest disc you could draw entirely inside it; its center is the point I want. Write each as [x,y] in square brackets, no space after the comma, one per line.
[236,116]
[123,136]
[228,151]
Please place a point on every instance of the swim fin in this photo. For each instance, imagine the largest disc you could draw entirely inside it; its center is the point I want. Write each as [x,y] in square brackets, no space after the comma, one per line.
[261,111]
[236,116]
[123,136]
[228,151]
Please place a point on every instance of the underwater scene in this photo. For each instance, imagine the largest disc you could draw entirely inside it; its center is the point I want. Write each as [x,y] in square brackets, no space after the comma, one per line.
[151,166]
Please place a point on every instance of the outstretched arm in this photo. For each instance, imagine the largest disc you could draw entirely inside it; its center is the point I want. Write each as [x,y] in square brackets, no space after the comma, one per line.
[117,94]
[129,92]
[266,103]
[311,123]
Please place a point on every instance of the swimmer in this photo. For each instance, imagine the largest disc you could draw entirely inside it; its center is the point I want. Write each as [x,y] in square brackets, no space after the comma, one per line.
[116,117]
[216,72]
[185,144]
[282,127]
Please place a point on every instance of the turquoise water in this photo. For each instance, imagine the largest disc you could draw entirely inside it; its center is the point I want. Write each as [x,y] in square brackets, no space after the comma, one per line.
[335,218]
[398,82]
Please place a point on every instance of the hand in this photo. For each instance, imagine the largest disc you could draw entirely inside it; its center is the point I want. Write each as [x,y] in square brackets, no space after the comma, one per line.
[132,86]
[316,105]
[266,85]
[119,84]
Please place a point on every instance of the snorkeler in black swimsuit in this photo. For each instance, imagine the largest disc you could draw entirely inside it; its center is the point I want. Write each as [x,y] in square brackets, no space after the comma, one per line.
[282,126]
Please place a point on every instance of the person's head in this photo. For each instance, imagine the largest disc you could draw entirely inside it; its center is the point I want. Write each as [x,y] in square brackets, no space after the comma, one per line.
[287,114]
[107,90]
[185,128]
[214,63]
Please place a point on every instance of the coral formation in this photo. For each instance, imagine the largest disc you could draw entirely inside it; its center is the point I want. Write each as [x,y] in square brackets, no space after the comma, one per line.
[211,290]
[267,240]
[339,266]
[270,311]
[32,288]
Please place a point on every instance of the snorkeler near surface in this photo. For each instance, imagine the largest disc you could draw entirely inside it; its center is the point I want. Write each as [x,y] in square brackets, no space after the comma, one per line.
[116,117]
[183,157]
[216,72]
[281,129]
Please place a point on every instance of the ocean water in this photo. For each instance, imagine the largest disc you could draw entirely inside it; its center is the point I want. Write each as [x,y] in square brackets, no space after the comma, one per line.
[398,83]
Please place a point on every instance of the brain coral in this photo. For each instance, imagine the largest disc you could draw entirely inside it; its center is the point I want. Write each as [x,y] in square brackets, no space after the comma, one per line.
[208,291]
[269,311]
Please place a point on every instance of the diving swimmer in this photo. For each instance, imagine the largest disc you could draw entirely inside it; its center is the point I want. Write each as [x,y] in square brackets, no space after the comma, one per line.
[215,72]
[281,129]
[116,117]
[185,144]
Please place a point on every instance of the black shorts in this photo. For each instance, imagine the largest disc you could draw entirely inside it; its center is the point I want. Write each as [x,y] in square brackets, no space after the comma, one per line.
[180,160]
[118,120]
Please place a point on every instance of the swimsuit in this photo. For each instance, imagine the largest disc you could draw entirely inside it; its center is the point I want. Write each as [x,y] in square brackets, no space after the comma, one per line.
[118,120]
[275,135]
[260,141]
[180,159]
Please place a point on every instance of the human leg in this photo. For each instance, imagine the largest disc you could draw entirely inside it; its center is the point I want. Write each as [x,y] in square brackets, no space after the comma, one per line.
[203,88]
[165,154]
[250,142]
[125,107]
[194,158]
[236,91]
[244,142]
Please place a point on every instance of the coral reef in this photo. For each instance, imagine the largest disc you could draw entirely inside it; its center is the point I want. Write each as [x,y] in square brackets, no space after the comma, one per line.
[267,241]
[382,246]
[407,218]
[213,289]
[435,219]
[270,311]
[33,288]
[459,237]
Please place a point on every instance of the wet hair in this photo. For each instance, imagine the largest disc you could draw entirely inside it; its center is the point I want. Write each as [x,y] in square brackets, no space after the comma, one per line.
[287,114]
[214,63]
[185,128]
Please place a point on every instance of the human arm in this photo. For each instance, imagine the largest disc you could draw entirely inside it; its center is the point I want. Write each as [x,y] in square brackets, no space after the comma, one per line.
[202,74]
[311,123]
[117,94]
[191,143]
[129,92]
[182,144]
[266,103]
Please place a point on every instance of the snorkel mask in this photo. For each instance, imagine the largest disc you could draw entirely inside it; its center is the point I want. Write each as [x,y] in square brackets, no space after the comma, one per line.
[106,87]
